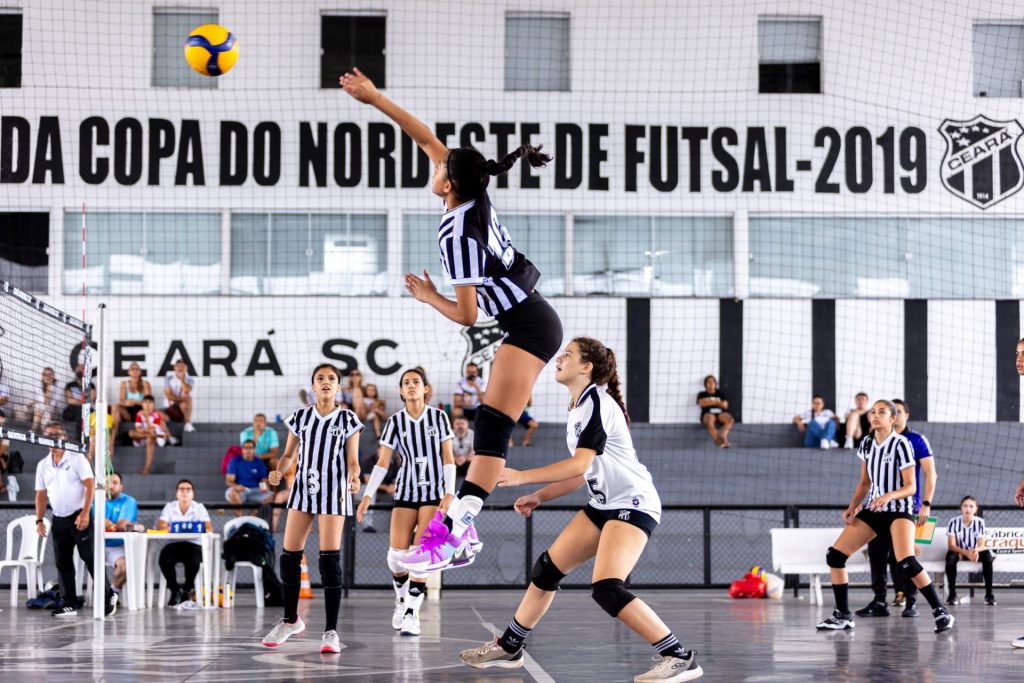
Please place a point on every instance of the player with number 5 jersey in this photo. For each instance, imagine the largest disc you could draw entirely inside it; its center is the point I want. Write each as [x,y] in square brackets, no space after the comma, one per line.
[491,276]
[325,439]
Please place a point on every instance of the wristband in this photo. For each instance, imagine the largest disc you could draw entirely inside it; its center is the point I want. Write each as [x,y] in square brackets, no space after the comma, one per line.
[39,521]
[376,479]
[449,479]
[926,502]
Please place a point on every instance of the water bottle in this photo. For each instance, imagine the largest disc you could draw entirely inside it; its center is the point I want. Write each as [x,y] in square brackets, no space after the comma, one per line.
[12,488]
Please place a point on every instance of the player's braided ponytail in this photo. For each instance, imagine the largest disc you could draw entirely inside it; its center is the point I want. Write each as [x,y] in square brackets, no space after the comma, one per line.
[470,173]
[606,371]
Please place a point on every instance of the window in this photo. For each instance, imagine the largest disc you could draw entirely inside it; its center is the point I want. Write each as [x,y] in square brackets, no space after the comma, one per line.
[300,253]
[537,52]
[24,244]
[170,30]
[957,258]
[652,256]
[143,253]
[789,54]
[353,40]
[998,59]
[10,49]
[541,238]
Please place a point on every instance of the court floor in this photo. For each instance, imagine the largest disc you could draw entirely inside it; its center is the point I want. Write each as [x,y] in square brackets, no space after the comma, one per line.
[736,641]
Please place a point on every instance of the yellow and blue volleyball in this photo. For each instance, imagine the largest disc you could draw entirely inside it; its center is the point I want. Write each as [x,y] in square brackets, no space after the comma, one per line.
[211,50]
[758,572]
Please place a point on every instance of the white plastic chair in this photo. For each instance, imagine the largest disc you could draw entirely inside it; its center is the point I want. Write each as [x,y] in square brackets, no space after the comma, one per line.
[152,565]
[30,555]
[230,577]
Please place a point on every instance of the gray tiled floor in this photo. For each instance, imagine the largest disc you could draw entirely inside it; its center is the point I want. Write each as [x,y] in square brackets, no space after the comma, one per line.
[737,641]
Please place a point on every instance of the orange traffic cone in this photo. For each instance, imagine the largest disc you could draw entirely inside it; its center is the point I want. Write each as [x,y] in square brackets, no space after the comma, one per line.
[305,590]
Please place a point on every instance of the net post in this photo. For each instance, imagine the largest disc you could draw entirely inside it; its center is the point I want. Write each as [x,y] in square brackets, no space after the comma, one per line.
[100,461]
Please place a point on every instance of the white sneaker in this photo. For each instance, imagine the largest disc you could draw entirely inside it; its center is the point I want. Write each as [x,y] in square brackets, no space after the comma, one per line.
[672,669]
[1018,642]
[411,624]
[172,440]
[189,428]
[396,616]
[833,444]
[849,443]
[282,631]
[825,444]
[330,644]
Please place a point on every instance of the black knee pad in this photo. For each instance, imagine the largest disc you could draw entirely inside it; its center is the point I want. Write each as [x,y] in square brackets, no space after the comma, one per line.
[291,567]
[546,576]
[491,431]
[910,567]
[836,559]
[330,568]
[611,595]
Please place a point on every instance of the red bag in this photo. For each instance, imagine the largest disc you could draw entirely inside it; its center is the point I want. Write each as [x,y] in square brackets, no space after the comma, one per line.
[230,455]
[749,586]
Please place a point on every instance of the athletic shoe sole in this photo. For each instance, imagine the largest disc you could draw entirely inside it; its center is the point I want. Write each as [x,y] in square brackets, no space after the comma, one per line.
[837,627]
[689,675]
[499,664]
[329,650]
[948,626]
[1018,643]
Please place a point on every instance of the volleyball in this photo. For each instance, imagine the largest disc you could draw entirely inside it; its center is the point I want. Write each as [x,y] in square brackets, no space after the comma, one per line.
[211,50]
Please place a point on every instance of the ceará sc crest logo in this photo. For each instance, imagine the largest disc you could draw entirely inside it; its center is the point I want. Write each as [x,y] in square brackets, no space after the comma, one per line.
[982,165]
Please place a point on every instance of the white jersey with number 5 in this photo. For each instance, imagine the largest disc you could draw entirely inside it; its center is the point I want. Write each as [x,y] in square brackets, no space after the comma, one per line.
[616,478]
[321,480]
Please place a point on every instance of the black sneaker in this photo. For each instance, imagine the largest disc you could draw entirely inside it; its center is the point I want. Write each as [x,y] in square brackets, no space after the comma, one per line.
[910,611]
[990,600]
[111,607]
[837,622]
[65,610]
[874,609]
[943,619]
[952,599]
[177,597]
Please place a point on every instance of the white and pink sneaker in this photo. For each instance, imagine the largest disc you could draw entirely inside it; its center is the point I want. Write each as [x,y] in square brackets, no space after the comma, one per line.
[439,549]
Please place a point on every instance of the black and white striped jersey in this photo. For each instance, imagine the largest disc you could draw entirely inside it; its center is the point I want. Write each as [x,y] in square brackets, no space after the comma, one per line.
[616,478]
[966,535]
[321,480]
[884,462]
[483,255]
[418,442]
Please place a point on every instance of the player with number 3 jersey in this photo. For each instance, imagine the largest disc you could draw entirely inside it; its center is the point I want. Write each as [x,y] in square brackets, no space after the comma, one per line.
[326,440]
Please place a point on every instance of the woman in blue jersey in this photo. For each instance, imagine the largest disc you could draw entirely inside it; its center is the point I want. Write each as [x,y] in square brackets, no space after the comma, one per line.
[613,528]
[489,275]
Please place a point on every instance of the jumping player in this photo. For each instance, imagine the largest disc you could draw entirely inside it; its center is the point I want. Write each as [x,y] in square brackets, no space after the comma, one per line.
[888,479]
[489,275]
[425,483]
[326,440]
[614,527]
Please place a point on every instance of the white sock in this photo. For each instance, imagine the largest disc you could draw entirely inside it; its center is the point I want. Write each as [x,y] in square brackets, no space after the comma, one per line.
[466,510]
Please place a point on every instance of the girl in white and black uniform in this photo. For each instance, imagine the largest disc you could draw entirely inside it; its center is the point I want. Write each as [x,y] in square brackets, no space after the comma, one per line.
[425,483]
[326,440]
[965,533]
[489,275]
[613,527]
[887,478]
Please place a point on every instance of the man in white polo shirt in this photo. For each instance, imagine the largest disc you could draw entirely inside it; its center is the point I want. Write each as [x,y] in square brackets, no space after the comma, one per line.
[66,481]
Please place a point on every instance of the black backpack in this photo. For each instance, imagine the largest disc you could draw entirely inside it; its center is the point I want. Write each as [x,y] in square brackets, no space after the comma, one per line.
[249,543]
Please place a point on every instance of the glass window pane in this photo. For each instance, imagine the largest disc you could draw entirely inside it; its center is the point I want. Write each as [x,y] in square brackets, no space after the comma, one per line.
[788,40]
[828,257]
[353,40]
[250,253]
[542,239]
[998,60]
[24,242]
[348,254]
[170,30]
[611,255]
[420,251]
[10,48]
[692,256]
[536,52]
[957,258]
[182,253]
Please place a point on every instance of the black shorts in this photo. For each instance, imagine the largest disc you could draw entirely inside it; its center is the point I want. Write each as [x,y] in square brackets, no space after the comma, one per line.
[533,326]
[641,520]
[410,505]
[880,522]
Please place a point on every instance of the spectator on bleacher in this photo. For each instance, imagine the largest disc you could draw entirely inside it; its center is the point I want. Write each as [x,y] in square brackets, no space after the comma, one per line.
[75,398]
[529,423]
[178,386]
[149,431]
[266,440]
[387,485]
[247,478]
[714,407]
[469,391]
[132,391]
[965,534]
[857,422]
[818,425]
[375,408]
[66,481]
[353,391]
[462,445]
[43,405]
[8,483]
[5,398]
[187,553]
[122,513]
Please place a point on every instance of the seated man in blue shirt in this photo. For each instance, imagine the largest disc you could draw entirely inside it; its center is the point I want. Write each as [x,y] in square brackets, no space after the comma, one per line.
[122,513]
[247,478]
